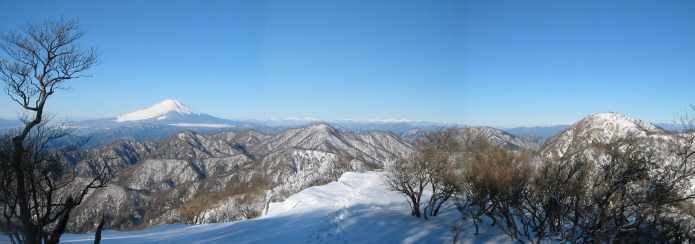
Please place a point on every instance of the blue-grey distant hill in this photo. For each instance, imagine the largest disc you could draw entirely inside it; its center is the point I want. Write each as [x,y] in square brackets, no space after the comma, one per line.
[670,126]
[540,131]
[9,123]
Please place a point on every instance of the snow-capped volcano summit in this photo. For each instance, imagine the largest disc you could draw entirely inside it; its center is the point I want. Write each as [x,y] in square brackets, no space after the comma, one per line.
[154,123]
[173,113]
[158,111]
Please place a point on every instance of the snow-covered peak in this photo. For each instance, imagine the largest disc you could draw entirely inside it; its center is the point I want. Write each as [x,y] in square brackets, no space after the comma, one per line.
[320,127]
[617,122]
[600,128]
[158,111]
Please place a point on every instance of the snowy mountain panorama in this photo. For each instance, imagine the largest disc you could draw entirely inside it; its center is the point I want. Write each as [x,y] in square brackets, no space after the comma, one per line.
[201,178]
[170,116]
[320,184]
[347,122]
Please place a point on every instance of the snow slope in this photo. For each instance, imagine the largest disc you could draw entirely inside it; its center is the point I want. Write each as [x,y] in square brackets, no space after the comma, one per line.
[356,209]
[158,111]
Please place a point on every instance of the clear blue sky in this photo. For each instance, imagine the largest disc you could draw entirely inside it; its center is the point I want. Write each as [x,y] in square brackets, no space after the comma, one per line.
[497,63]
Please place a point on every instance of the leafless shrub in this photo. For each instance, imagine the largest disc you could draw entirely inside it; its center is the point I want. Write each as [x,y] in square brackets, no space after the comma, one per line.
[431,165]
[339,166]
[492,184]
[622,193]
[245,195]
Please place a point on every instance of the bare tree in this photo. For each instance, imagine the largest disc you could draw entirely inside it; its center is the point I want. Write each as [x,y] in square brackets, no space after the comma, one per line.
[39,190]
[338,166]
[408,177]
[492,181]
[625,192]
[431,165]
[246,206]
[437,150]
[551,194]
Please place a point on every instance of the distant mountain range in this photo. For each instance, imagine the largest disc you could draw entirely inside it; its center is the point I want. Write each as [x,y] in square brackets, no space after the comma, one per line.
[168,112]
[670,126]
[160,182]
[7,123]
[155,123]
[540,131]
[170,116]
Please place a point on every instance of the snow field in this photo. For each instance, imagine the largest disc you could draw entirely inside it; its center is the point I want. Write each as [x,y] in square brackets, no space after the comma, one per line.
[358,208]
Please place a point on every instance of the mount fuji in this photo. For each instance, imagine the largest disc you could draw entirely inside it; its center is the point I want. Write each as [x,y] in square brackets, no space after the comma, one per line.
[160,111]
[172,112]
[154,123]
[168,112]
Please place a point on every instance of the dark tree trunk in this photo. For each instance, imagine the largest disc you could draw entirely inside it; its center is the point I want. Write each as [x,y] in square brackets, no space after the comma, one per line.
[28,233]
[97,235]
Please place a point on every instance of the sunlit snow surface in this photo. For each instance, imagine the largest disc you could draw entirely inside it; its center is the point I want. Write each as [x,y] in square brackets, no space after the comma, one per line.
[159,109]
[356,209]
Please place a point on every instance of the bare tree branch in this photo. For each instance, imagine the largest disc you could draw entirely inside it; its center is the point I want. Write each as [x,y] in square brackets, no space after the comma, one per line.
[39,188]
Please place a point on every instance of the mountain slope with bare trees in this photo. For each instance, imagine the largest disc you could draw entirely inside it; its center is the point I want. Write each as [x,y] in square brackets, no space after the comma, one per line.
[197,178]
